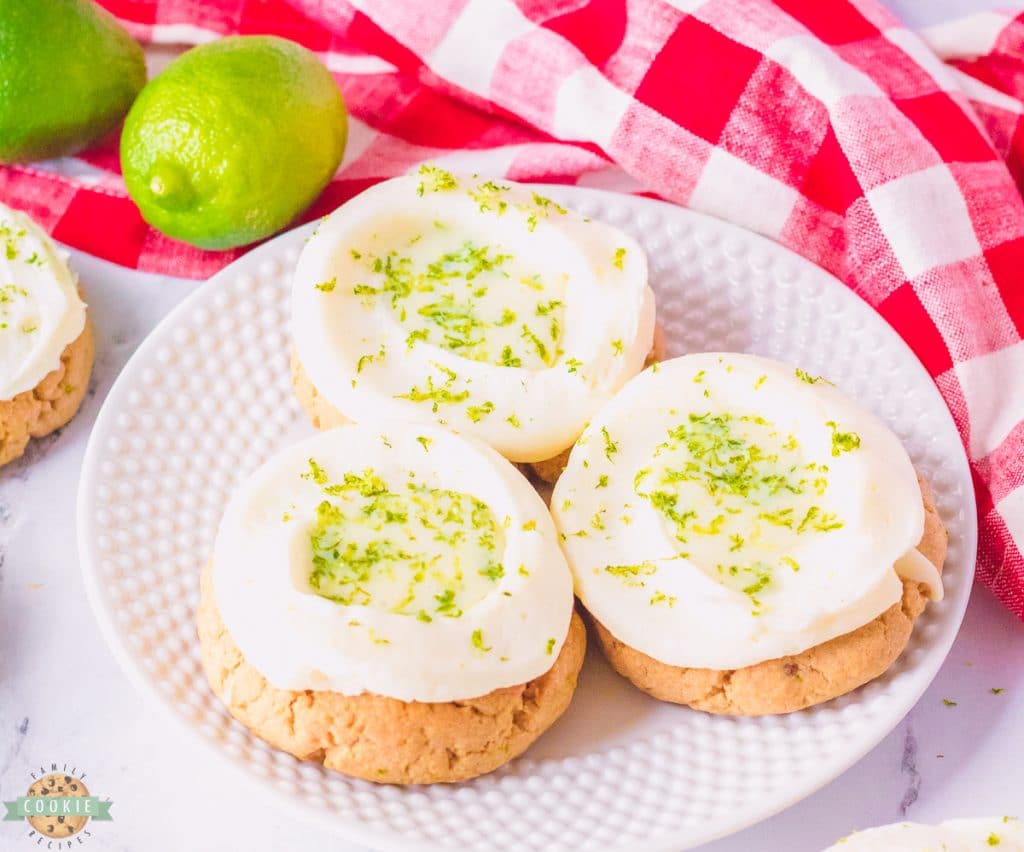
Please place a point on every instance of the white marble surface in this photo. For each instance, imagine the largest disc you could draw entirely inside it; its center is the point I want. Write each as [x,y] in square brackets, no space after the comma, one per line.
[63,699]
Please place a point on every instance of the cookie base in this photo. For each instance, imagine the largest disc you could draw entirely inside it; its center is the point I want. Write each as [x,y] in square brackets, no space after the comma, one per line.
[795,682]
[50,404]
[382,739]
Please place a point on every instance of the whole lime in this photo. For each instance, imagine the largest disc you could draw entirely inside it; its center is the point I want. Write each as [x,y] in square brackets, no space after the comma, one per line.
[68,73]
[233,140]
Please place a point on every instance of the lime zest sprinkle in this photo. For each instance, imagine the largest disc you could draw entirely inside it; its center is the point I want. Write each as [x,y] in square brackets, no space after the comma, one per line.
[435,395]
[413,336]
[804,376]
[842,442]
[508,359]
[620,256]
[610,447]
[370,359]
[316,473]
[477,640]
[424,442]
[538,344]
[345,566]
[630,574]
[435,179]
[476,413]
[488,194]
[550,647]
[545,308]
[327,286]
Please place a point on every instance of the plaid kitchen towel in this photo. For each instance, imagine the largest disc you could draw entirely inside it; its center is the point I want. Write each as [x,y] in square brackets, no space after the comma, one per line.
[891,159]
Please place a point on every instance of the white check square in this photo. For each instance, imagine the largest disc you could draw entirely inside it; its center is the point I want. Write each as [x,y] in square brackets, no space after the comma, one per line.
[993,387]
[731,189]
[925,219]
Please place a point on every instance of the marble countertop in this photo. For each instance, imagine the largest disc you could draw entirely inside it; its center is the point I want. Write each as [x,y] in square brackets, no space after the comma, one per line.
[64,700]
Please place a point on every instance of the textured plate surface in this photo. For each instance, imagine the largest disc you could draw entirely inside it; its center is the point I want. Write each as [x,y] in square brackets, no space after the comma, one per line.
[207,398]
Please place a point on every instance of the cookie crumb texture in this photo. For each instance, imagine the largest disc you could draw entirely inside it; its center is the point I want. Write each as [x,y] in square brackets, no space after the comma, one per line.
[796,682]
[50,404]
[383,739]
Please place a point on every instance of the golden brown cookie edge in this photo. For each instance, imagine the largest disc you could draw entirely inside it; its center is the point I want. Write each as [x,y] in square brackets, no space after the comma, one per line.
[383,739]
[795,682]
[52,403]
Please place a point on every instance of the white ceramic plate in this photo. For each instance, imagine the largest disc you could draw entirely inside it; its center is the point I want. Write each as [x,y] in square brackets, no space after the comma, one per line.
[207,398]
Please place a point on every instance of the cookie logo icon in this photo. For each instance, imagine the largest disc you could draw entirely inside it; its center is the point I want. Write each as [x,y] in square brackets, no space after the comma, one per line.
[58,807]
[57,824]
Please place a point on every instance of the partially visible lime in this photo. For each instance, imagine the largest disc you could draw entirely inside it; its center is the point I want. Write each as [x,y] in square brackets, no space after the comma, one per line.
[233,140]
[68,73]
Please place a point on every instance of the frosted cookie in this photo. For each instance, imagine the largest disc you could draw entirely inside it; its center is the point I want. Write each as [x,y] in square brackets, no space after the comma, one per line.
[956,835]
[478,305]
[746,539]
[46,345]
[391,601]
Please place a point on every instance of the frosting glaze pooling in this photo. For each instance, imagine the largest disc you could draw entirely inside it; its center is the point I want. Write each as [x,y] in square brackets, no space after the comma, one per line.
[398,559]
[725,509]
[40,309]
[475,304]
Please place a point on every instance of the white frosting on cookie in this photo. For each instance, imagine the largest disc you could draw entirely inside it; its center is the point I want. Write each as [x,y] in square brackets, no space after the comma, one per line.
[396,559]
[725,509]
[956,835]
[476,304]
[40,310]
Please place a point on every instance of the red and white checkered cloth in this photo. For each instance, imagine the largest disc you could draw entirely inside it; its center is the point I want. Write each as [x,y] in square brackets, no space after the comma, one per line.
[892,160]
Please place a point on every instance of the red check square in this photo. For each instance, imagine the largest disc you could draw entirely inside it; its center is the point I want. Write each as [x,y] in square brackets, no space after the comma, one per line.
[119,239]
[829,180]
[697,78]
[946,127]
[1006,263]
[906,314]
[835,22]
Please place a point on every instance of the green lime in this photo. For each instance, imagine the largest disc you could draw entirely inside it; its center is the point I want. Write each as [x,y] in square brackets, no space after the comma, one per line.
[233,140]
[68,73]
